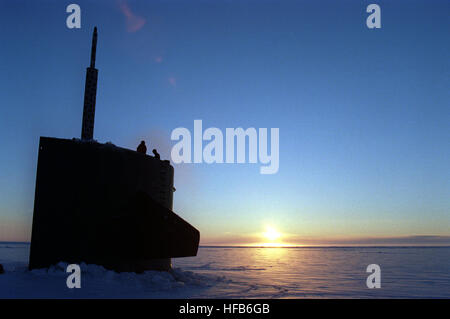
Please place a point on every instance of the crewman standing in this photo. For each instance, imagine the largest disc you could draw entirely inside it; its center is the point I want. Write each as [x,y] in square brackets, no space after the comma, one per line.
[142,148]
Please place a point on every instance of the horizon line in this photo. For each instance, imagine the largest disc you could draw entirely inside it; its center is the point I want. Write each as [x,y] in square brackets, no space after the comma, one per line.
[303,246]
[331,246]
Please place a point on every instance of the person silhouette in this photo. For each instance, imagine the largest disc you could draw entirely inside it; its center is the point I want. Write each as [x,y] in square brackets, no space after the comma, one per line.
[155,152]
[142,148]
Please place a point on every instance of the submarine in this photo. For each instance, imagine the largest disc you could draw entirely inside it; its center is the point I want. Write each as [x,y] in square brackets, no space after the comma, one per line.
[102,204]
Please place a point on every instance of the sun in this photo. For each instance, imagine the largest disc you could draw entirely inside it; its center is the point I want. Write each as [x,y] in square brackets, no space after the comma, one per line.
[271,234]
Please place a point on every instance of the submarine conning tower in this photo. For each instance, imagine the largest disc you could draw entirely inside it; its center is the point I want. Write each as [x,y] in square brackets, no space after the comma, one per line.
[102,204]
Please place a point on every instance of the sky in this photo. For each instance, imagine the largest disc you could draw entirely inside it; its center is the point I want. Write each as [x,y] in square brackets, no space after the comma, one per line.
[363,114]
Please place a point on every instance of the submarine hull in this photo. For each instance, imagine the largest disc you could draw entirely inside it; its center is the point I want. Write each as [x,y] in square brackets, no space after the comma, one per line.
[101,204]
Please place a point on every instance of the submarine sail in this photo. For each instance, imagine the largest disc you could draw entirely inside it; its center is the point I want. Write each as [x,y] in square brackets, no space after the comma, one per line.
[106,205]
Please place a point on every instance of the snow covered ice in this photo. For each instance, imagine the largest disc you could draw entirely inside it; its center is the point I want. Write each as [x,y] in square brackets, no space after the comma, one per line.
[407,272]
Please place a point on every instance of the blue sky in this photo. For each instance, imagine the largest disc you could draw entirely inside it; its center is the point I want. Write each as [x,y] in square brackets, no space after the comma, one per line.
[363,114]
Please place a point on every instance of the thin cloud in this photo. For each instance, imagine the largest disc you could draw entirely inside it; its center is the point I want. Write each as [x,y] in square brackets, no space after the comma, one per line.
[173,81]
[132,21]
[236,240]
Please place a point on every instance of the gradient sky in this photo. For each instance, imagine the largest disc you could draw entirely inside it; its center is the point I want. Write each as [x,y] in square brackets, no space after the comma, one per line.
[363,114]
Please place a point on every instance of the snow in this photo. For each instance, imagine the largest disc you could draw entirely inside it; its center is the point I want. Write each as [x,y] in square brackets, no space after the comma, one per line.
[98,282]
[415,272]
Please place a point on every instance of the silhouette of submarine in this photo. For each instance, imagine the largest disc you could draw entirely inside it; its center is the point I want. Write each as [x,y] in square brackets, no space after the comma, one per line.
[101,204]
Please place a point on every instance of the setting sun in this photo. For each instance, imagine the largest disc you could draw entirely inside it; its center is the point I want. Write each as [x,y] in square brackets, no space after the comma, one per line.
[271,234]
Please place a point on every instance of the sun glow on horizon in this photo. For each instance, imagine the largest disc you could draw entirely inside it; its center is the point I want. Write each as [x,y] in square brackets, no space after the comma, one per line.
[271,245]
[272,236]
